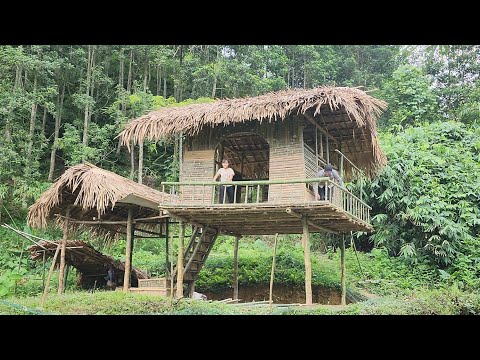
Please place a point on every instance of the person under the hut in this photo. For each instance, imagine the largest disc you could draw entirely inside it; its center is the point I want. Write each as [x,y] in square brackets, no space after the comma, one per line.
[111,278]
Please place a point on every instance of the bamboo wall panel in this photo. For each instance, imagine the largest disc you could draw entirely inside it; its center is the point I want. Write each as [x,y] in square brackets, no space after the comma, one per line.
[287,160]
[197,166]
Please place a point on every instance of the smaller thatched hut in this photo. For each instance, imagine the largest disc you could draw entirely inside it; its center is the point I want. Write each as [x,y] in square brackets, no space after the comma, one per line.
[92,266]
[96,198]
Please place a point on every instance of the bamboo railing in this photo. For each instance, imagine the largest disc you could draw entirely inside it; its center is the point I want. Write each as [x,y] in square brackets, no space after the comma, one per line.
[268,192]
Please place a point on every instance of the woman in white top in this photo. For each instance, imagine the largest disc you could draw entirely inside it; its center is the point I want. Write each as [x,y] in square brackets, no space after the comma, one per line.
[226,173]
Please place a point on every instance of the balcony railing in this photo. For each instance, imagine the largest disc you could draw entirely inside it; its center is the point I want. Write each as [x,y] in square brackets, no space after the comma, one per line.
[265,192]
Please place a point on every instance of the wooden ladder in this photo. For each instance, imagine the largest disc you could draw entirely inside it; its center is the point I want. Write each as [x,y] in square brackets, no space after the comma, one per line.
[195,255]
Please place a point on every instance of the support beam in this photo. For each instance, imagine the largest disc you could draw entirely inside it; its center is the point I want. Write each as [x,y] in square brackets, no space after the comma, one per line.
[308,264]
[50,272]
[311,223]
[344,272]
[312,120]
[179,293]
[235,269]
[185,220]
[128,251]
[61,271]
[270,298]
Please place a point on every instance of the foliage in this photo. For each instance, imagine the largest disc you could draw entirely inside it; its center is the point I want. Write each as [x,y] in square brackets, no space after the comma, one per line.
[8,281]
[425,201]
[409,97]
[254,267]
[455,69]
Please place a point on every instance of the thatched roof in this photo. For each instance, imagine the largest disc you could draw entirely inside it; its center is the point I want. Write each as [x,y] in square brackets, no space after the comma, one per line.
[92,194]
[92,264]
[352,114]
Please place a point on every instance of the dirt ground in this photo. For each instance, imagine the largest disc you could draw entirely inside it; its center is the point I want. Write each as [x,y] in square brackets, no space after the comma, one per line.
[281,294]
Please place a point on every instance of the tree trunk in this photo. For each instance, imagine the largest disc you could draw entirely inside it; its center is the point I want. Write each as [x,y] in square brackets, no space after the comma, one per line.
[129,79]
[145,73]
[132,161]
[140,162]
[33,115]
[121,105]
[58,121]
[214,90]
[165,85]
[44,121]
[159,80]
[87,115]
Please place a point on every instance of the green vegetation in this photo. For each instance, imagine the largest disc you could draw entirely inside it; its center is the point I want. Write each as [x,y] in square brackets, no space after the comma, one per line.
[63,104]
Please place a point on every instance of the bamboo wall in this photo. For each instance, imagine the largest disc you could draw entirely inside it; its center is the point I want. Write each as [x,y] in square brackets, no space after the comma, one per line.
[197,166]
[286,155]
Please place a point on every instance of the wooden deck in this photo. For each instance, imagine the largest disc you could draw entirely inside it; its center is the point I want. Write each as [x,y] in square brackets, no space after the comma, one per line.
[268,218]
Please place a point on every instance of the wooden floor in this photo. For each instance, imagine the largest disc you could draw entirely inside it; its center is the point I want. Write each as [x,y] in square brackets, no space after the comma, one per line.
[268,219]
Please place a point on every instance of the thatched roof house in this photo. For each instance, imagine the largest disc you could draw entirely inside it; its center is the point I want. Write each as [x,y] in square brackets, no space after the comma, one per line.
[93,194]
[344,116]
[91,265]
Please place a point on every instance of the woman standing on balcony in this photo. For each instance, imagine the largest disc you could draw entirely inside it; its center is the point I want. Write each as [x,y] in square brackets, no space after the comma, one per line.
[226,173]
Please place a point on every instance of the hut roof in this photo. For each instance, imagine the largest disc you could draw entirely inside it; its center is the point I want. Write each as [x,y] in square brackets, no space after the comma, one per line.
[84,258]
[92,193]
[351,116]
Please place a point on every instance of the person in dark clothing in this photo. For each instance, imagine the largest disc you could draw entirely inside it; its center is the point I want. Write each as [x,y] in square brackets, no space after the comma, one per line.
[238,193]
[111,278]
[319,189]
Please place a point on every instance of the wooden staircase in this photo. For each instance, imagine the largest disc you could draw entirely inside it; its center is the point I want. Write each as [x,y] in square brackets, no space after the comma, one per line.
[195,255]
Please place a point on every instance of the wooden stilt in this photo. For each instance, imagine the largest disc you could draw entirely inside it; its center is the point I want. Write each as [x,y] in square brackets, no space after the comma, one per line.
[61,271]
[235,269]
[43,269]
[128,251]
[342,259]
[308,265]
[270,299]
[50,272]
[179,293]
[171,268]
[65,276]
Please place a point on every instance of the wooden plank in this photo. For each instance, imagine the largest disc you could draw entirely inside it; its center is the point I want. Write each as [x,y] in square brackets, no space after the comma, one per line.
[235,269]
[61,277]
[342,260]
[50,272]
[273,269]
[179,293]
[308,264]
[128,251]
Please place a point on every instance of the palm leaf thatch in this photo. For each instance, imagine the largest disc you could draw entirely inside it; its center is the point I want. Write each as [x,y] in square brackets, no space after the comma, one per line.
[91,264]
[353,104]
[91,193]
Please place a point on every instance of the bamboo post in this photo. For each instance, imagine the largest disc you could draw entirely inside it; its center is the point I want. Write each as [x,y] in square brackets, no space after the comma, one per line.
[128,252]
[342,259]
[308,264]
[167,248]
[65,276]
[50,272]
[43,269]
[179,293]
[171,267]
[270,299]
[61,271]
[235,269]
